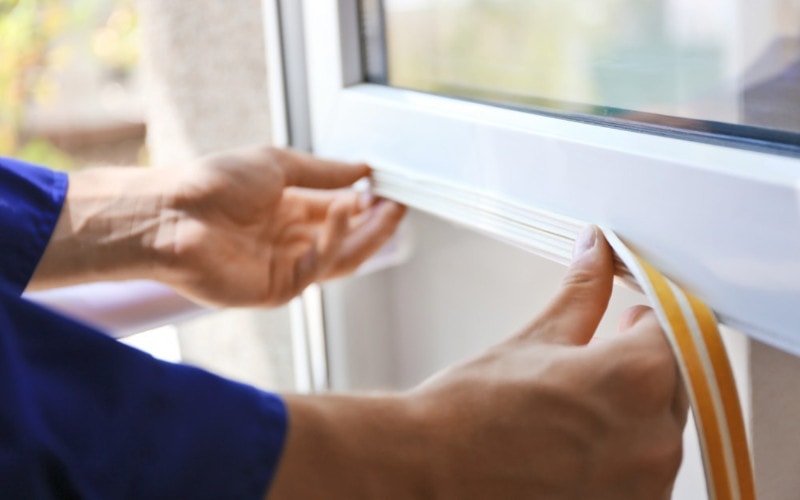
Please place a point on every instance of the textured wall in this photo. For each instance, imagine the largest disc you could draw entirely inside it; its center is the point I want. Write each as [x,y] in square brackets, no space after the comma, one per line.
[206,90]
[207,86]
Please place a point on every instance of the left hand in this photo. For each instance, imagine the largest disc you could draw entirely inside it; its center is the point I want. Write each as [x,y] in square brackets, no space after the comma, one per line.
[251,227]
[257,226]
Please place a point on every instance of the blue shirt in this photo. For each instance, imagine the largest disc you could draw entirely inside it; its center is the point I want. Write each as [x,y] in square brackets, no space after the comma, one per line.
[84,416]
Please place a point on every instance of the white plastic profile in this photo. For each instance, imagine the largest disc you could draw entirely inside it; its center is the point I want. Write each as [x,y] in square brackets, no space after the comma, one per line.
[722,222]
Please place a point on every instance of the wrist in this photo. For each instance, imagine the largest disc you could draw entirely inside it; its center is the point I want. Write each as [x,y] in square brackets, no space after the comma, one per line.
[115,225]
[353,447]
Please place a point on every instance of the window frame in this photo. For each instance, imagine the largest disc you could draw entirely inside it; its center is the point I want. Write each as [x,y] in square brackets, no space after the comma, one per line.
[669,198]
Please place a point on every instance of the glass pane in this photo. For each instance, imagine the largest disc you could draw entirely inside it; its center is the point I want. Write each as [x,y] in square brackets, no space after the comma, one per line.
[718,66]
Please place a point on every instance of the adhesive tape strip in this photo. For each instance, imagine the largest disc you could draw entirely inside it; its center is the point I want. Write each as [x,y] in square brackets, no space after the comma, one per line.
[692,332]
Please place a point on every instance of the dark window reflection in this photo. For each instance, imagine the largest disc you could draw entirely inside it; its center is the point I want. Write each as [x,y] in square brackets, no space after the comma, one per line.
[772,95]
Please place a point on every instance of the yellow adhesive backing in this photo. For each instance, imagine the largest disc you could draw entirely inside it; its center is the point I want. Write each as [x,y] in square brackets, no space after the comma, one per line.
[692,332]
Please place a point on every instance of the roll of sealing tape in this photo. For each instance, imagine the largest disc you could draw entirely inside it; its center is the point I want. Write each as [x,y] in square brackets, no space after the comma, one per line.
[691,329]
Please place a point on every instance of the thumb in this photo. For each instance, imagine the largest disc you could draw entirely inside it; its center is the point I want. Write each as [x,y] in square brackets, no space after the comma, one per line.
[572,315]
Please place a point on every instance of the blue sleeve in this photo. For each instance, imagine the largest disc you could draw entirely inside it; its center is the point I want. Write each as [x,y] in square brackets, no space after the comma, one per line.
[83,416]
[30,203]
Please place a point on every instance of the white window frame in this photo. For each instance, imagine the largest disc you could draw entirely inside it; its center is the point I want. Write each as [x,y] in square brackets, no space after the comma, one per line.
[722,221]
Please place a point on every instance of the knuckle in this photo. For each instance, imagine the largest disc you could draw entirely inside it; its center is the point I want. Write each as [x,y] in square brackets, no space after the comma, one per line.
[674,458]
[272,152]
[652,363]
[649,379]
[277,157]
[662,461]
[579,279]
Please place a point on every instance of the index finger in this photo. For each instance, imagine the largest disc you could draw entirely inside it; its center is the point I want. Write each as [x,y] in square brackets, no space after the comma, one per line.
[305,170]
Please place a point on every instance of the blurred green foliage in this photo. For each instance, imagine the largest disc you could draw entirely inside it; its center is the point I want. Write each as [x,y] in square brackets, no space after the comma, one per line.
[34,36]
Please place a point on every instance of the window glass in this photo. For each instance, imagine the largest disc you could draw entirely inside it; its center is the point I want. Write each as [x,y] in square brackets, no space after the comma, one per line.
[716,66]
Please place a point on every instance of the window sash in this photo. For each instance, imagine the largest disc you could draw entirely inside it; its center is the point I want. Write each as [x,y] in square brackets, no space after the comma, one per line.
[721,221]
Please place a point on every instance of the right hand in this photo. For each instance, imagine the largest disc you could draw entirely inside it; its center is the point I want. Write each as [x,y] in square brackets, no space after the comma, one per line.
[541,415]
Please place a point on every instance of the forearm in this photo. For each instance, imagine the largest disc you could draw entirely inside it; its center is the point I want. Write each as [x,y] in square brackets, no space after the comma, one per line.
[351,447]
[115,224]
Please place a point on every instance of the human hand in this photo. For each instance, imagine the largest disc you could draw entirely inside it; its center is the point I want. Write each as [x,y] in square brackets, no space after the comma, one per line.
[541,415]
[257,226]
[544,415]
[250,227]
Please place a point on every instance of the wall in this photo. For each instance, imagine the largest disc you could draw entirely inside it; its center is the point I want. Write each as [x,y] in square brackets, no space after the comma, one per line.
[775,422]
[206,90]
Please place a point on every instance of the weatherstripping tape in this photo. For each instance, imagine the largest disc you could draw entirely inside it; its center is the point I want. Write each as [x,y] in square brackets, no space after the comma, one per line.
[692,332]
[688,323]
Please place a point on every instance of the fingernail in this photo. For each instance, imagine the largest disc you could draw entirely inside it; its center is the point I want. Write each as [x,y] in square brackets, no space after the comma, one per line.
[585,242]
